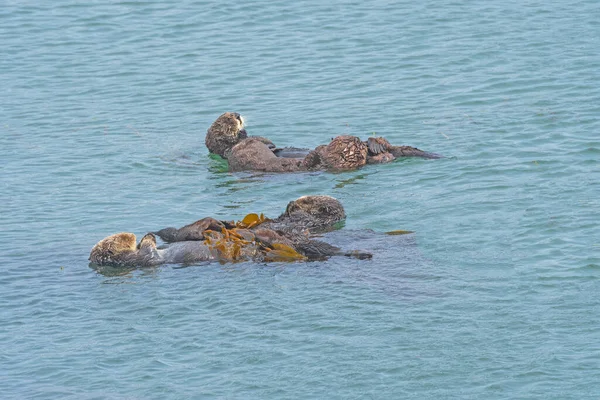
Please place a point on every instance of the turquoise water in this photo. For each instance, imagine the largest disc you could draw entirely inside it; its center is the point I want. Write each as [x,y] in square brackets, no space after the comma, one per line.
[104,107]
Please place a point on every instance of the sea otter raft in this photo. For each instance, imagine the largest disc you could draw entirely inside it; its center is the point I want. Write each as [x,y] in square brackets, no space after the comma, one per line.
[227,137]
[255,238]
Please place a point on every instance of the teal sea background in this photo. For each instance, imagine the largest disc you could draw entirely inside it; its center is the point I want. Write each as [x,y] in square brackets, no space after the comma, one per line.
[103,111]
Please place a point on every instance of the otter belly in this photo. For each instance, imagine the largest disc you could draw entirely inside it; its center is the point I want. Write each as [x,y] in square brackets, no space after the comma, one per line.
[253,155]
[291,152]
[185,252]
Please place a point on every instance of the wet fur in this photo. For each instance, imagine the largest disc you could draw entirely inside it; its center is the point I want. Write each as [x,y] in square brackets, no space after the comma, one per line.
[253,154]
[224,133]
[227,138]
[293,228]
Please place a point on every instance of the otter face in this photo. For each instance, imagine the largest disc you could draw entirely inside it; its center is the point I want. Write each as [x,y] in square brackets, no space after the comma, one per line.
[227,131]
[318,210]
[345,152]
[112,249]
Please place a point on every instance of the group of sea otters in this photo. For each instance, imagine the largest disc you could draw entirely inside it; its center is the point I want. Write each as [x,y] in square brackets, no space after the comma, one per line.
[289,237]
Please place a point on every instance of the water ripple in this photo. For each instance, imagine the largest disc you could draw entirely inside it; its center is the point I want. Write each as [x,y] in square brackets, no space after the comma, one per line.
[105,106]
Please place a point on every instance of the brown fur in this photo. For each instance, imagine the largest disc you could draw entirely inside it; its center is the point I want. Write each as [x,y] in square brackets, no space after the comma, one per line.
[380,150]
[342,153]
[269,237]
[409,151]
[193,231]
[113,248]
[381,158]
[285,238]
[228,138]
[323,208]
[308,214]
[225,133]
[253,154]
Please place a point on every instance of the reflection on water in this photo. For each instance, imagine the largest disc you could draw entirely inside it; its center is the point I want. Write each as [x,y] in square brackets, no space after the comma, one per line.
[242,183]
[237,204]
[217,165]
[352,181]
[127,272]
[110,271]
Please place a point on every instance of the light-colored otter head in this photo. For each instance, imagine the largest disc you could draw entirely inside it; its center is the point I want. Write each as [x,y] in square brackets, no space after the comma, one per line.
[344,153]
[227,131]
[315,211]
[120,250]
[114,249]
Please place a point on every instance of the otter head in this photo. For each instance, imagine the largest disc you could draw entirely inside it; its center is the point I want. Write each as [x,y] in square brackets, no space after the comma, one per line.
[315,211]
[344,153]
[227,131]
[114,250]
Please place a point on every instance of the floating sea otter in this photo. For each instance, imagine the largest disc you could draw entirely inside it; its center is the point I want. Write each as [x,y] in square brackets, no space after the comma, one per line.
[255,238]
[228,138]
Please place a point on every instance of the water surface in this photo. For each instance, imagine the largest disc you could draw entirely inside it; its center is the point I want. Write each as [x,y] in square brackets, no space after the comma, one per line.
[104,108]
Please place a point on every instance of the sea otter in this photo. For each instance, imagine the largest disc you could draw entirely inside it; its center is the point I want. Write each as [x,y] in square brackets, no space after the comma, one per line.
[315,213]
[285,238]
[227,131]
[120,250]
[304,216]
[228,138]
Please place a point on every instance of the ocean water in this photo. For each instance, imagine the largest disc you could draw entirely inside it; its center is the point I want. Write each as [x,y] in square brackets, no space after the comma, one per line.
[103,110]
